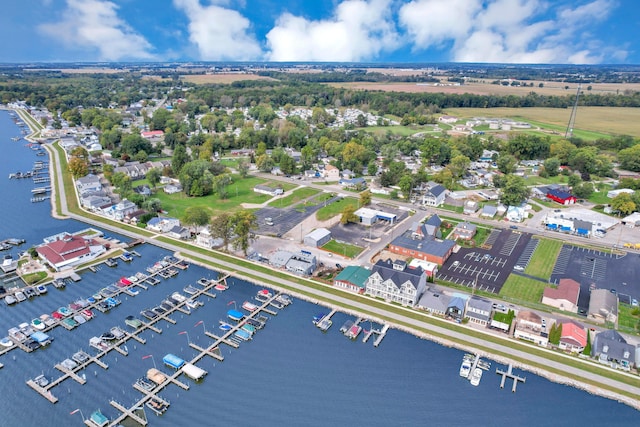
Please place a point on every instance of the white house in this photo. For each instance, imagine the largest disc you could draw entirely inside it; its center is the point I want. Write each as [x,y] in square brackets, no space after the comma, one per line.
[394,282]
[162,225]
[435,195]
[120,210]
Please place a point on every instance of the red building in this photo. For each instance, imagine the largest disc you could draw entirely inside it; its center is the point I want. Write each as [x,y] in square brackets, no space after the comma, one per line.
[562,197]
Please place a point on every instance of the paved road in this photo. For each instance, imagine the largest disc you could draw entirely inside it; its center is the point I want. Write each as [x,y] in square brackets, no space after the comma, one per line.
[506,348]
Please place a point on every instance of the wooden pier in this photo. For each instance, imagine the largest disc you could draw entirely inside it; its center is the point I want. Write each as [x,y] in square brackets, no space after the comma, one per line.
[381,335]
[509,374]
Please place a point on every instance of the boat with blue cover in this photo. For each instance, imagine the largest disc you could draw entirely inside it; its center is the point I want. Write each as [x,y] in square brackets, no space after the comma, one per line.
[225,326]
[173,361]
[242,334]
[235,315]
[98,419]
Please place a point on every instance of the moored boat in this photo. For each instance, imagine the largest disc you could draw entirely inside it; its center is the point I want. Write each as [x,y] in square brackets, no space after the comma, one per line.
[178,296]
[10,299]
[58,283]
[465,368]
[47,320]
[98,419]
[98,343]
[203,282]
[80,357]
[64,311]
[132,322]
[242,334]
[225,326]
[157,405]
[41,380]
[144,384]
[235,315]
[249,306]
[190,290]
[38,324]
[42,289]
[6,342]
[476,376]
[20,296]
[118,332]
[221,287]
[156,376]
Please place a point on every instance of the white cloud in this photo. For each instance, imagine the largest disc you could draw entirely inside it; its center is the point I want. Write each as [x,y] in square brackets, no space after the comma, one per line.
[95,25]
[219,33]
[511,31]
[359,30]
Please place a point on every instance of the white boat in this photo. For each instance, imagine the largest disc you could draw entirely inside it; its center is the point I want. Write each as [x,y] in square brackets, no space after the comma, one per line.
[98,343]
[38,324]
[42,289]
[476,375]
[47,320]
[6,342]
[20,296]
[465,368]
[249,306]
[178,296]
[17,335]
[10,299]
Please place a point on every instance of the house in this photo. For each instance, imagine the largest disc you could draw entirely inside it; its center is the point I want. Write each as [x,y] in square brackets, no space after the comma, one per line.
[172,188]
[455,308]
[603,306]
[464,231]
[430,268]
[317,238]
[143,190]
[280,258]
[434,302]
[479,310]
[352,278]
[529,328]
[87,184]
[488,211]
[613,193]
[515,214]
[93,202]
[179,232]
[470,207]
[357,183]
[370,216]
[610,348]
[269,191]
[152,135]
[447,119]
[331,173]
[120,210]
[434,195]
[68,250]
[303,263]
[394,282]
[573,337]
[162,224]
[564,297]
[205,239]
[562,197]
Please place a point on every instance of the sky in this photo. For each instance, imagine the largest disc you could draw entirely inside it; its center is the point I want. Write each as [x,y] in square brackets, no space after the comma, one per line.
[410,31]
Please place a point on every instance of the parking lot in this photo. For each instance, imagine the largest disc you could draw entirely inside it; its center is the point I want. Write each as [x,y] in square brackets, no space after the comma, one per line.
[357,234]
[487,268]
[284,219]
[603,270]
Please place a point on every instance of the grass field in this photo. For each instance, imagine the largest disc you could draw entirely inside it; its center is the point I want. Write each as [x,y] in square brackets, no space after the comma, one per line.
[523,289]
[400,130]
[336,208]
[341,248]
[222,78]
[627,320]
[544,258]
[590,121]
[293,198]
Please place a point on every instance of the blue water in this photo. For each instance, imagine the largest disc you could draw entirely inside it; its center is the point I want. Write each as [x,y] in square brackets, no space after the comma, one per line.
[290,374]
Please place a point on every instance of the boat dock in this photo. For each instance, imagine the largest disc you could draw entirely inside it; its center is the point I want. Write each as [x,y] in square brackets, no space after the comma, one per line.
[212,351]
[509,374]
[381,335]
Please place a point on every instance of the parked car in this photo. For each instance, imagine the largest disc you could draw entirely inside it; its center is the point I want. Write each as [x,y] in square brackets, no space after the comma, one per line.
[513,227]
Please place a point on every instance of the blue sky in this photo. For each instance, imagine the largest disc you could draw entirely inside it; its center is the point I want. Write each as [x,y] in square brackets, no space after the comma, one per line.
[505,31]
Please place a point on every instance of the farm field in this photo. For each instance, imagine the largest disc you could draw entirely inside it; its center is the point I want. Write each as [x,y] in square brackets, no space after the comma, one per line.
[222,78]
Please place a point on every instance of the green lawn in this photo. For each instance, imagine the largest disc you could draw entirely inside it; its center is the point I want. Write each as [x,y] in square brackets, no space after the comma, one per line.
[544,258]
[627,320]
[600,198]
[344,249]
[523,289]
[293,198]
[336,208]
[538,180]
[400,130]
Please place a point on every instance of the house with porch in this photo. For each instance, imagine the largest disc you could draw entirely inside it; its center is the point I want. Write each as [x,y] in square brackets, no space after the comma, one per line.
[611,348]
[434,195]
[434,302]
[529,328]
[353,278]
[393,281]
[120,210]
[162,224]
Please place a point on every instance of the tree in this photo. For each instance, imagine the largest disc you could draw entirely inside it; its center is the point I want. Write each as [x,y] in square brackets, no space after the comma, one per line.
[222,228]
[153,176]
[574,180]
[196,216]
[629,158]
[122,182]
[583,191]
[365,198]
[152,205]
[244,222]
[623,203]
[406,184]
[555,334]
[459,166]
[514,190]
[264,163]
[507,163]
[243,168]
[196,178]
[348,215]
[78,167]
[220,183]
[552,166]
[180,157]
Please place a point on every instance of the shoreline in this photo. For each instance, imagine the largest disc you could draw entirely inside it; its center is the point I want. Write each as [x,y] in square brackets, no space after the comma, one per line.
[557,378]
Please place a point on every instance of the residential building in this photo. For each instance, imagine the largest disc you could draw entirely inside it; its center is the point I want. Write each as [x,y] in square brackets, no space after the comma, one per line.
[603,306]
[455,308]
[573,337]
[515,214]
[613,193]
[331,173]
[120,210]
[610,348]
[152,135]
[172,188]
[352,278]
[355,183]
[303,263]
[162,224]
[479,310]
[94,202]
[529,328]
[317,238]
[68,250]
[470,207]
[88,184]
[179,232]
[489,211]
[564,297]
[464,231]
[394,282]
[562,197]
[270,191]
[205,239]
[434,195]
[434,302]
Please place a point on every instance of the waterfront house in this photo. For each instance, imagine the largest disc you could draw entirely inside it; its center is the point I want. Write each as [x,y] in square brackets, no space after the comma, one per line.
[87,184]
[611,348]
[302,263]
[93,202]
[179,232]
[478,310]
[573,337]
[120,210]
[529,328]
[68,250]
[455,308]
[434,302]
[353,278]
[394,282]
[162,224]
[564,297]
[205,239]
[603,306]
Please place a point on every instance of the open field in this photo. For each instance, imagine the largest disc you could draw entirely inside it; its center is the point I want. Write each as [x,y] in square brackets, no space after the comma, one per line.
[296,196]
[341,248]
[336,208]
[522,289]
[605,120]
[222,78]
[544,258]
[486,88]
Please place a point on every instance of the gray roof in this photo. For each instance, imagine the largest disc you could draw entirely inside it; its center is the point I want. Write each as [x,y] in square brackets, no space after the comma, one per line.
[318,234]
[427,245]
[585,225]
[614,346]
[434,220]
[280,258]
[434,301]
[603,302]
[457,302]
[387,272]
[437,190]
[480,304]
[489,210]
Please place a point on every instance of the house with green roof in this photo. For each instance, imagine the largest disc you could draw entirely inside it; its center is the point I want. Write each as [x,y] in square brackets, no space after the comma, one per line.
[352,278]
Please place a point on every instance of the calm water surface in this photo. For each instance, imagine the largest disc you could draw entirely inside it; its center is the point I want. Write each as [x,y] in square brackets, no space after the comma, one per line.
[290,374]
